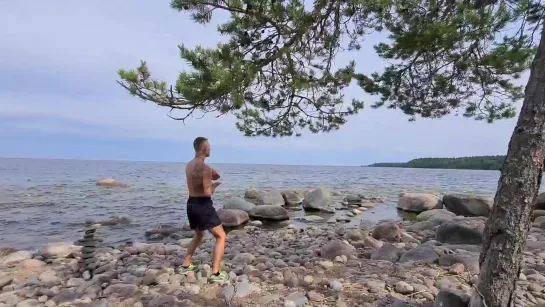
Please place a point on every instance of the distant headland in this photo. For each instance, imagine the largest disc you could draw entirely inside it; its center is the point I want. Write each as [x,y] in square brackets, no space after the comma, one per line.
[476,162]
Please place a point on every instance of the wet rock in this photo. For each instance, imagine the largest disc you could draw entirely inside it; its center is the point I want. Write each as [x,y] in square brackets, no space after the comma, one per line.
[318,200]
[387,231]
[293,197]
[468,205]
[239,204]
[418,202]
[232,217]
[269,212]
[65,296]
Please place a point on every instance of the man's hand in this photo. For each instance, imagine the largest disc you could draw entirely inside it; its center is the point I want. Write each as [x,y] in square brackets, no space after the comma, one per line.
[215,175]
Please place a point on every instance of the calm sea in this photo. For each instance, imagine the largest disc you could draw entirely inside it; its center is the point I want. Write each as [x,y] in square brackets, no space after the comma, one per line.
[45,201]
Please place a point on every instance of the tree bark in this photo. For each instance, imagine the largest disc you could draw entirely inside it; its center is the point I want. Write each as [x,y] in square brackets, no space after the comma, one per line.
[510,220]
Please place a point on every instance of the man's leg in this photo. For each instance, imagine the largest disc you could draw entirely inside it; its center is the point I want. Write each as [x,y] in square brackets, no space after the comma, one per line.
[197,240]
[219,249]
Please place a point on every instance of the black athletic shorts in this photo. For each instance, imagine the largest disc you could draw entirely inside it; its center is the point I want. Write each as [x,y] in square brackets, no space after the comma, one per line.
[202,214]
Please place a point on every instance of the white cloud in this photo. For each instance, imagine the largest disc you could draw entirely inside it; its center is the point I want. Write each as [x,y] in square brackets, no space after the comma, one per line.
[78,46]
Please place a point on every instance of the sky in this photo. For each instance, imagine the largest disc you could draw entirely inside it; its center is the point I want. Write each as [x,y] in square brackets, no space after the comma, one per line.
[59,97]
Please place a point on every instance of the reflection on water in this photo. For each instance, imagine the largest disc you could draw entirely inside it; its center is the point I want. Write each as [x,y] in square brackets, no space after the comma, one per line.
[48,200]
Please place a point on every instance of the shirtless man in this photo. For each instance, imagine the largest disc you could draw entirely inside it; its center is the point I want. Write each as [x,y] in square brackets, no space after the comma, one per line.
[201,182]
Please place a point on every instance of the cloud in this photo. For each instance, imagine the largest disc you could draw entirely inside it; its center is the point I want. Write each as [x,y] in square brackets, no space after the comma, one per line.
[58,68]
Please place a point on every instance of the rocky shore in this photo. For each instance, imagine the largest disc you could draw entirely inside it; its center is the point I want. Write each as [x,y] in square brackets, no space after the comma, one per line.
[431,261]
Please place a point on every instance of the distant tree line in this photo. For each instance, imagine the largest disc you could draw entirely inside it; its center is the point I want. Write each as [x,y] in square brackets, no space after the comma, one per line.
[477,162]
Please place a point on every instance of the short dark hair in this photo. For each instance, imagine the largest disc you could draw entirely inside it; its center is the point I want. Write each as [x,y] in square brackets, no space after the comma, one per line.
[197,143]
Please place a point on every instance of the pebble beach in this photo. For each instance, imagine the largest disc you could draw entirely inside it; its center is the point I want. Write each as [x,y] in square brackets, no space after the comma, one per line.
[314,262]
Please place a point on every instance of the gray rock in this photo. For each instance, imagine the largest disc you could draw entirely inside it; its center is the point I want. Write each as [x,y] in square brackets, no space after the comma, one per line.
[366,225]
[15,257]
[336,285]
[451,298]
[29,303]
[388,252]
[469,260]
[466,231]
[238,203]
[267,198]
[292,197]
[386,230]
[300,299]
[5,280]
[436,216]
[403,287]
[232,217]
[468,205]
[421,253]
[65,296]
[336,248]
[418,202]
[375,286]
[121,290]
[243,289]
[318,199]
[163,301]
[269,212]
[10,298]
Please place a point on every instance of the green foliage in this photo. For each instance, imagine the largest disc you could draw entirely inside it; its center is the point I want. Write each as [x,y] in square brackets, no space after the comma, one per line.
[276,72]
[477,162]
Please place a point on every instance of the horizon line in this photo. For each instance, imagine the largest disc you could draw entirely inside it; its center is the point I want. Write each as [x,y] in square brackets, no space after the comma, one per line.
[158,161]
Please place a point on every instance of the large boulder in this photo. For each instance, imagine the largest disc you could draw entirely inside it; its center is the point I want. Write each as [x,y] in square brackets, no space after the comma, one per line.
[269,212]
[387,252]
[387,231]
[292,198]
[465,231]
[265,198]
[318,199]
[111,183]
[436,216]
[15,257]
[418,202]
[336,248]
[468,205]
[233,217]
[239,204]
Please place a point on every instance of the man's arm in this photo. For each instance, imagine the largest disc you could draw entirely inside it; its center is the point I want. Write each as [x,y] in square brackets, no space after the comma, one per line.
[208,185]
[215,175]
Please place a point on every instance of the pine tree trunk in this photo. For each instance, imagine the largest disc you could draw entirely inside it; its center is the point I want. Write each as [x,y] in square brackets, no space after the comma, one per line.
[510,220]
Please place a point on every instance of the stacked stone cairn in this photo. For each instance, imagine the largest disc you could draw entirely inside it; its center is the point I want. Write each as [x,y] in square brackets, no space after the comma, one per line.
[88,262]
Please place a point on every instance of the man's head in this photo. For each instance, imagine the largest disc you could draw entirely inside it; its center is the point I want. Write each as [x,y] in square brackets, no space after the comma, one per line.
[202,147]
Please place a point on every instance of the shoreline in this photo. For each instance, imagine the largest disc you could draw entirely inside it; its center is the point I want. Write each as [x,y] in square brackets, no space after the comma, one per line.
[329,264]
